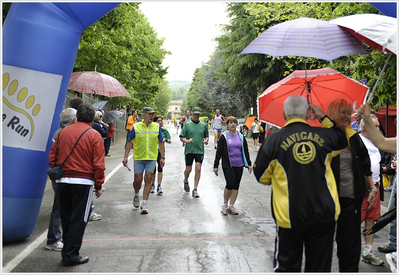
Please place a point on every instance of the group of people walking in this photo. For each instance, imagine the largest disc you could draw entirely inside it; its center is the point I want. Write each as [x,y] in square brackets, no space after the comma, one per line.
[343,191]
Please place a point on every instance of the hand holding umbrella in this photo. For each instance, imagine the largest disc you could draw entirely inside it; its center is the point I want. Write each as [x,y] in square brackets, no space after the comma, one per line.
[316,111]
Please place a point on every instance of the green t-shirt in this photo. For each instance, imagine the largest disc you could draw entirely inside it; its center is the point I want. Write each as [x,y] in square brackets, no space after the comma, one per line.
[165,133]
[196,131]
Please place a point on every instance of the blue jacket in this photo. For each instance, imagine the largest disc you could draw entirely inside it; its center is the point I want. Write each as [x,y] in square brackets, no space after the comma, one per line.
[102,129]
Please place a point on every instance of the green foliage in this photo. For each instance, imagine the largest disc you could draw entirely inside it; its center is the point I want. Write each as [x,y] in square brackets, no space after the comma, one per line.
[249,74]
[6,8]
[179,89]
[163,99]
[194,94]
[252,73]
[211,91]
[125,46]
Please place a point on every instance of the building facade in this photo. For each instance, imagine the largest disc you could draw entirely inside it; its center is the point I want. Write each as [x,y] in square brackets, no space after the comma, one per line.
[174,109]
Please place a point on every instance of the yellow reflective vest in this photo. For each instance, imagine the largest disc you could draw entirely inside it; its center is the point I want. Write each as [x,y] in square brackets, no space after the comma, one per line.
[145,142]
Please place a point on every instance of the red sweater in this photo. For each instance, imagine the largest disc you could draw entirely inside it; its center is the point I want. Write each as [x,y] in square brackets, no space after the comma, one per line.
[111,130]
[87,159]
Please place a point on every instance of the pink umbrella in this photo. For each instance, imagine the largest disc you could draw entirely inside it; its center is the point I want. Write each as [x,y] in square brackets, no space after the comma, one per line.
[97,83]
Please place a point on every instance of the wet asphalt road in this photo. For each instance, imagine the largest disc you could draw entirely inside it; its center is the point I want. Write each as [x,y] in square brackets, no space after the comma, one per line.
[181,234]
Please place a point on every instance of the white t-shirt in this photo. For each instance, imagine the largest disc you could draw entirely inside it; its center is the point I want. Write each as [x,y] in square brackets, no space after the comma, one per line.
[255,127]
[217,121]
[375,158]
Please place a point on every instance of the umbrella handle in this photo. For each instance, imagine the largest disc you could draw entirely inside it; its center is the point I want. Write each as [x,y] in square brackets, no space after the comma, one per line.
[367,231]
[354,106]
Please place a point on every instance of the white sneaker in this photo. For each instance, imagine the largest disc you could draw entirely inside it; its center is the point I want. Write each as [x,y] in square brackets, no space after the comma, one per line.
[94,216]
[136,201]
[195,194]
[392,261]
[144,209]
[55,246]
[232,210]
[225,208]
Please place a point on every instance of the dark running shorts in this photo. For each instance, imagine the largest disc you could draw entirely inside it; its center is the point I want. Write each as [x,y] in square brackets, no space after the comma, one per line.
[197,157]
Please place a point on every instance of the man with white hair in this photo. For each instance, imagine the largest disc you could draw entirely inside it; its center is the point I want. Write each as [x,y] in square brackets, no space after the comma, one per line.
[369,216]
[295,160]
[68,117]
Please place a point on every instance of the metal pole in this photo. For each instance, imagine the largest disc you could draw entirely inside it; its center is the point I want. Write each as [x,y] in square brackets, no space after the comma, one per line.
[379,77]
[386,119]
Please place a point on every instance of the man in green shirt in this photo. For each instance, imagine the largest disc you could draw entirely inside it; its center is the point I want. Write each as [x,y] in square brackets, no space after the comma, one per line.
[195,134]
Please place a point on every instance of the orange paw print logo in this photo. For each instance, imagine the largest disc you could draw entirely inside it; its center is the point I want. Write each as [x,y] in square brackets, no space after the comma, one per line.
[31,109]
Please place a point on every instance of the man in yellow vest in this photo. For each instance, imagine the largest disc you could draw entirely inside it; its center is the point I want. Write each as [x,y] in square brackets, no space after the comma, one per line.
[145,136]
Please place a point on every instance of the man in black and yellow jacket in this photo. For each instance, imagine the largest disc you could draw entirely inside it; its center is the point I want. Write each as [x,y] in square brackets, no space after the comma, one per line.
[295,160]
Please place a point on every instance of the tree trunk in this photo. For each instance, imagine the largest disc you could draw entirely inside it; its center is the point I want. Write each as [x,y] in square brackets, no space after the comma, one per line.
[255,103]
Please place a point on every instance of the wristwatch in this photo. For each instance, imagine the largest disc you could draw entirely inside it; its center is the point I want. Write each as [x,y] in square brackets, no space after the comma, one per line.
[374,189]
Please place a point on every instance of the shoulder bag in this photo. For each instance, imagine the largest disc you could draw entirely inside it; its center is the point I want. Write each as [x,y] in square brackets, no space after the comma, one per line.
[56,172]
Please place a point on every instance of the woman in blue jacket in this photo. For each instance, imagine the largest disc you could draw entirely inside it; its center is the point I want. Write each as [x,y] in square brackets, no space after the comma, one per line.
[232,148]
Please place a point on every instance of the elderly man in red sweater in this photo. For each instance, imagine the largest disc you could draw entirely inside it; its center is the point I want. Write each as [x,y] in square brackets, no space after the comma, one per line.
[83,170]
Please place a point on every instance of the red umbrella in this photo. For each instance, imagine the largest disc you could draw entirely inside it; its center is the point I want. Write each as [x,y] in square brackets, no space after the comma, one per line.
[325,85]
[96,83]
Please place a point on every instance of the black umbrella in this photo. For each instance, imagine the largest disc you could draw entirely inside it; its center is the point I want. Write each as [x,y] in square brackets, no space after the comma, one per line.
[381,222]
[112,115]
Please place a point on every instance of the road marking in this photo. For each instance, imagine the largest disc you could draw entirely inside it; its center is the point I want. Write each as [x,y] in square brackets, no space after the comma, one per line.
[25,253]
[179,239]
[116,169]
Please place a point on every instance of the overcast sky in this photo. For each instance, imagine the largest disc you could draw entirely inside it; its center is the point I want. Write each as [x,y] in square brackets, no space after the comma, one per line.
[189,28]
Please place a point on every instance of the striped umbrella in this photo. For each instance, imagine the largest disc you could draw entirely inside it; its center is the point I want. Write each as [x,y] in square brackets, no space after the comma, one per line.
[97,83]
[305,37]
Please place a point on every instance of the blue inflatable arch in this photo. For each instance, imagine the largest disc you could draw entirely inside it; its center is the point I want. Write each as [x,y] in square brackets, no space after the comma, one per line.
[40,42]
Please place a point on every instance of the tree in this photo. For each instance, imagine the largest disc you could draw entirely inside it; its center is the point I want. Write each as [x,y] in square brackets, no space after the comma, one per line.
[194,94]
[217,93]
[163,99]
[248,74]
[125,46]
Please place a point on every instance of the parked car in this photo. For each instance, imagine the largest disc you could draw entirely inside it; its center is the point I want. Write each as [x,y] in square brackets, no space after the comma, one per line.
[241,126]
